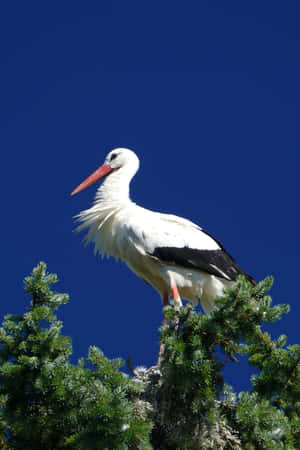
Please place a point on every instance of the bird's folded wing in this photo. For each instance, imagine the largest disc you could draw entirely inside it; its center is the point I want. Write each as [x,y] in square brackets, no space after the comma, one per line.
[178,241]
[214,262]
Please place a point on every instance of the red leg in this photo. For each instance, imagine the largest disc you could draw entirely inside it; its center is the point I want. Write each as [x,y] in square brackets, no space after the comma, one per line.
[166,299]
[166,323]
[176,297]
[175,292]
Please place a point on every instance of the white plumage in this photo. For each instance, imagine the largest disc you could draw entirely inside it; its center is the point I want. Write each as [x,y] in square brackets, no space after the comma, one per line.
[170,253]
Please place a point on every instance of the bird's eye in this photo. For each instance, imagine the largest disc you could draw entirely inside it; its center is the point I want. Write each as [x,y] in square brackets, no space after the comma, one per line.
[113,156]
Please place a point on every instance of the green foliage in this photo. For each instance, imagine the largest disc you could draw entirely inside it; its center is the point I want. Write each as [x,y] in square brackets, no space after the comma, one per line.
[190,397]
[48,403]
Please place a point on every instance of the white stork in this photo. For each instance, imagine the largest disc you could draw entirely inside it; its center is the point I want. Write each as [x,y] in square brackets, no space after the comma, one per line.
[170,253]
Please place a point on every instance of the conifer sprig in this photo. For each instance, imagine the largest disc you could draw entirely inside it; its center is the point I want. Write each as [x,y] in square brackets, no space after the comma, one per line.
[188,393]
[48,403]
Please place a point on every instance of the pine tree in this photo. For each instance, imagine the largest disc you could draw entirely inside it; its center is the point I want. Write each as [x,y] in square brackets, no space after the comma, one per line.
[49,403]
[194,409]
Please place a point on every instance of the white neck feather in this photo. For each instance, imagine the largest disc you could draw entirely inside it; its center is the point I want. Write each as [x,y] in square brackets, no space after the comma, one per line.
[111,197]
[115,188]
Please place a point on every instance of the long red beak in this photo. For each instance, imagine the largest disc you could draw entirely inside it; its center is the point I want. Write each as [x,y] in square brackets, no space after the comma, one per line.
[99,173]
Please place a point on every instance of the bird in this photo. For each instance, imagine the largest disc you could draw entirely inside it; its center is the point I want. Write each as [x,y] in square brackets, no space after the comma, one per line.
[172,254]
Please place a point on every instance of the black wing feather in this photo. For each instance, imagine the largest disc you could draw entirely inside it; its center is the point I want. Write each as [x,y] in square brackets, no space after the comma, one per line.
[215,262]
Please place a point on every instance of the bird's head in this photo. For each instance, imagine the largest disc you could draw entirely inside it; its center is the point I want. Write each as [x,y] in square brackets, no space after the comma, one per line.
[119,159]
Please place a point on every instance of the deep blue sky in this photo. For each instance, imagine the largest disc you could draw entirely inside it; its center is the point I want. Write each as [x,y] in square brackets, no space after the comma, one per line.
[207,94]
